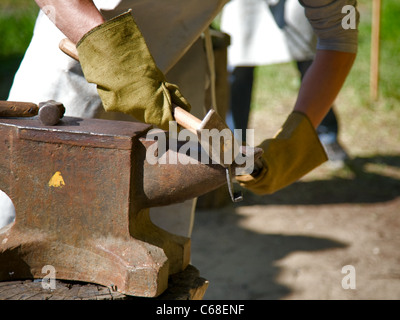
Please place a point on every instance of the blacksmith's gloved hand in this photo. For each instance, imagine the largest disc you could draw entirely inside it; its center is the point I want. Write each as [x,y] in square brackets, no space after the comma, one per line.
[116,58]
[293,152]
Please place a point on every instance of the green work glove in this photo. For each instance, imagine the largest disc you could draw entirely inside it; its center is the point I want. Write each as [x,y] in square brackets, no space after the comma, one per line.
[116,58]
[293,152]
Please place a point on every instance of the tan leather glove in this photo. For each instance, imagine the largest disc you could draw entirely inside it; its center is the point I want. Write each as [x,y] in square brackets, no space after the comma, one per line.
[293,152]
[116,58]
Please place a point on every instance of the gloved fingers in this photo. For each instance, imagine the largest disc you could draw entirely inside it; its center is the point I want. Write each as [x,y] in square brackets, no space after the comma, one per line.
[292,153]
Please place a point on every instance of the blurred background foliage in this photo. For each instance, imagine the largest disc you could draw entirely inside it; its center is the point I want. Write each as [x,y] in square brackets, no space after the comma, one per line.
[17,20]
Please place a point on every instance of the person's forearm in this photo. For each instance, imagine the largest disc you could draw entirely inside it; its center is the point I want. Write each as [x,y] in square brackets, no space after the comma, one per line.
[322,83]
[73,17]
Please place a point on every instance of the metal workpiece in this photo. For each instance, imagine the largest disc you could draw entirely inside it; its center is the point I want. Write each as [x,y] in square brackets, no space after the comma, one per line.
[82,192]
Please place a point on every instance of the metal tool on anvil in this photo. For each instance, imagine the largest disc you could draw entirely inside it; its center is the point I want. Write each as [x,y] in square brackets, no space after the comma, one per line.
[222,153]
[82,191]
[49,112]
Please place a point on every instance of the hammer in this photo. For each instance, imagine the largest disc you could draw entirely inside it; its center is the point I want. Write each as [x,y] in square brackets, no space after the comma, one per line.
[49,112]
[211,121]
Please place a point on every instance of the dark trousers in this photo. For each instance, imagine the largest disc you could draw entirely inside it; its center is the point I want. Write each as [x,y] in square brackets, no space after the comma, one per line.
[241,87]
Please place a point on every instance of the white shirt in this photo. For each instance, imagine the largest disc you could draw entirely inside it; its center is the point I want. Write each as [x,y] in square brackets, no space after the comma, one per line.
[257,39]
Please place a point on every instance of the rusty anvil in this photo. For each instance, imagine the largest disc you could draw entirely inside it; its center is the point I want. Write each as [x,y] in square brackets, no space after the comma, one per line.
[82,192]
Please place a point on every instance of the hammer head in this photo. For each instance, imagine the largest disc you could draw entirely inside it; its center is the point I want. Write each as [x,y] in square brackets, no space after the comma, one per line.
[224,147]
[218,140]
[50,112]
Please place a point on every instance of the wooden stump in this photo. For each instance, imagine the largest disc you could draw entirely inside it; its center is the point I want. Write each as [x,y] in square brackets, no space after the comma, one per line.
[186,285]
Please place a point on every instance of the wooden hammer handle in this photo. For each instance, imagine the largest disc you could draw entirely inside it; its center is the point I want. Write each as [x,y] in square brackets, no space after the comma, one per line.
[186,119]
[69,48]
[18,109]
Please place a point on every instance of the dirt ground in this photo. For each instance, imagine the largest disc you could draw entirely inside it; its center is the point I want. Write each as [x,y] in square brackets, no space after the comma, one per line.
[269,248]
[294,244]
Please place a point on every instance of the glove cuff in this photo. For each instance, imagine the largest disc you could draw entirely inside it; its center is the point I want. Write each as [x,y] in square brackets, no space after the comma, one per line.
[114,21]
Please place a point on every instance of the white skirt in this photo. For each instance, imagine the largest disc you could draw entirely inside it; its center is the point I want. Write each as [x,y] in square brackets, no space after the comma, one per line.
[256,37]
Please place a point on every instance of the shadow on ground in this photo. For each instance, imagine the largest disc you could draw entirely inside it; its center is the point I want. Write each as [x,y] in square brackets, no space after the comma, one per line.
[369,181]
[244,264]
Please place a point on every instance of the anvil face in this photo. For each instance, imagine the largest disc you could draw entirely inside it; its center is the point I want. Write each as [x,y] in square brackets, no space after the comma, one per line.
[81,192]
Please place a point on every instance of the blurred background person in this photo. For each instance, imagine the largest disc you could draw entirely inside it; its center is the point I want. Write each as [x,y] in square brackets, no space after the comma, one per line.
[265,32]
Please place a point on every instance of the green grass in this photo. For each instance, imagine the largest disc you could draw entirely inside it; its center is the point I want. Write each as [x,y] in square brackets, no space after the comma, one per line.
[373,126]
[390,75]
[17,19]
[16,28]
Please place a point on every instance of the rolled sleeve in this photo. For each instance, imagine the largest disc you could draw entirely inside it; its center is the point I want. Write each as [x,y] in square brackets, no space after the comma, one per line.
[326,18]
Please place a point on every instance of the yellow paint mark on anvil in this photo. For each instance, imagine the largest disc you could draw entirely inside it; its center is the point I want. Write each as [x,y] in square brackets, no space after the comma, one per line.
[57,180]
